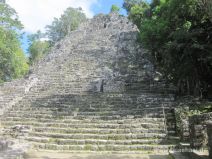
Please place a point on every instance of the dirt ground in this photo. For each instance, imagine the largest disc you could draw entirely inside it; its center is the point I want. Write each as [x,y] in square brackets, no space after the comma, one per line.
[48,155]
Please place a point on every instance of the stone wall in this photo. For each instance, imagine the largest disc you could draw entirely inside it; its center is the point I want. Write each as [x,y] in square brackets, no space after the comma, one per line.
[182,122]
[209,131]
[198,130]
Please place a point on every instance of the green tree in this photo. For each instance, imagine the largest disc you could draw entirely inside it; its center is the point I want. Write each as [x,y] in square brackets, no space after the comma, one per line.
[114,8]
[13,63]
[37,36]
[38,46]
[37,50]
[178,34]
[128,4]
[207,4]
[9,17]
[68,22]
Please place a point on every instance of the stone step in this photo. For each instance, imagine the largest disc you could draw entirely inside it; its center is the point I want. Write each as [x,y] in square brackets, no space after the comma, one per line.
[80,113]
[97,130]
[99,136]
[95,103]
[107,95]
[92,141]
[83,125]
[54,101]
[121,121]
[102,117]
[101,96]
[90,108]
[48,95]
[67,97]
[113,147]
[88,111]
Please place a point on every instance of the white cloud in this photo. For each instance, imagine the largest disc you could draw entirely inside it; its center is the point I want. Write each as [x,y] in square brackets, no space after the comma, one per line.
[36,14]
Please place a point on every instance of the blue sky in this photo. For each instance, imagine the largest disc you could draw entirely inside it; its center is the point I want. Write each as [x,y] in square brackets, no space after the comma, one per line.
[36,14]
[105,6]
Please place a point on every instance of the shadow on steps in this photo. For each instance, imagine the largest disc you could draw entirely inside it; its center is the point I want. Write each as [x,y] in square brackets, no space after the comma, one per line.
[190,155]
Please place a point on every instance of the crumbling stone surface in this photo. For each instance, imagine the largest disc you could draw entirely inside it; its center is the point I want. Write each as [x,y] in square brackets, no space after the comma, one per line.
[103,55]
[198,130]
[12,92]
[209,132]
[4,144]
[182,123]
[104,48]
[13,150]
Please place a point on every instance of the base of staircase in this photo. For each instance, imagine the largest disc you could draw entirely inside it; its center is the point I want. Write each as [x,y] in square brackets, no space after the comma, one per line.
[94,155]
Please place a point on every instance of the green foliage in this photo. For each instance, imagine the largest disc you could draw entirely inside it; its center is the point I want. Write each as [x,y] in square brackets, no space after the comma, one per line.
[185,111]
[68,22]
[207,5]
[37,50]
[9,17]
[137,10]
[87,147]
[38,46]
[178,34]
[204,107]
[13,63]
[114,8]
[128,4]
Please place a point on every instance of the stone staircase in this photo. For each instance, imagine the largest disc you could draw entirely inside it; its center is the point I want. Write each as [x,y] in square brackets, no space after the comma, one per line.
[95,93]
[90,122]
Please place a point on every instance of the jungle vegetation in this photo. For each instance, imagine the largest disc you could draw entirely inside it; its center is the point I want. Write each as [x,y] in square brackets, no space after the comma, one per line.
[178,34]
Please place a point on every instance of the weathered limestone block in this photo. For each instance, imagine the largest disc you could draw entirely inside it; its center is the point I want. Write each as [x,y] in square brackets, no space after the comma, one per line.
[209,131]
[198,131]
[3,144]
[182,122]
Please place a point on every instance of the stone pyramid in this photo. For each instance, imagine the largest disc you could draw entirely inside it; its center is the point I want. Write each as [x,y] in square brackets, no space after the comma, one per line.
[94,92]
